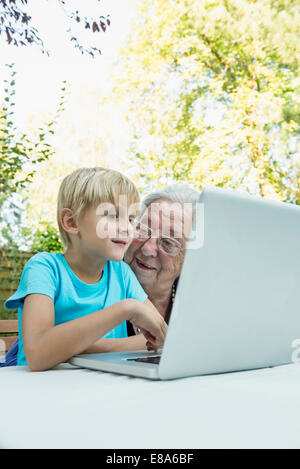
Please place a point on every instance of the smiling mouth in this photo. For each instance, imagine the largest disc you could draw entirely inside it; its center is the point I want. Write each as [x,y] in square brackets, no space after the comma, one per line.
[119,242]
[143,266]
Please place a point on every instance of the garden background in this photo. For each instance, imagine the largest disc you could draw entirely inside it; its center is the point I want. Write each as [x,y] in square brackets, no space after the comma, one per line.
[204,92]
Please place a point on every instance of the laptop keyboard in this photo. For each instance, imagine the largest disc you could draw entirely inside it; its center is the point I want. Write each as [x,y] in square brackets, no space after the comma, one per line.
[154,360]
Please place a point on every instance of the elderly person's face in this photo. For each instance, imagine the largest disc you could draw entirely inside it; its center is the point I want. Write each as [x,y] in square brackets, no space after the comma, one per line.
[156,257]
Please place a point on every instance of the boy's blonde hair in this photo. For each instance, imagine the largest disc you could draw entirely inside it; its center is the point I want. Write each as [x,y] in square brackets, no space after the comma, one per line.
[87,187]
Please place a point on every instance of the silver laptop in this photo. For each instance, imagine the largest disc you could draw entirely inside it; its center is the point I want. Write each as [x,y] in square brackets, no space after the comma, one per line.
[237,304]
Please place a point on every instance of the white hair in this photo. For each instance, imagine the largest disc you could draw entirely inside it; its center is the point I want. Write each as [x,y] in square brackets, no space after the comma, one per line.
[178,193]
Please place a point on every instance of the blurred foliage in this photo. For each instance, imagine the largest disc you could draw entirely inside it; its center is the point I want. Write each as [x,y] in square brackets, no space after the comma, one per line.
[17,148]
[214,94]
[20,155]
[90,132]
[46,239]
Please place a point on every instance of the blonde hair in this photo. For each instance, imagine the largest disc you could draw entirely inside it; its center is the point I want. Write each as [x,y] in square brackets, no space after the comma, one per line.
[87,187]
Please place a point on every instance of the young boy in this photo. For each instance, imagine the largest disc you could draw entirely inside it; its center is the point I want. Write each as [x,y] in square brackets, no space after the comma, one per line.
[79,301]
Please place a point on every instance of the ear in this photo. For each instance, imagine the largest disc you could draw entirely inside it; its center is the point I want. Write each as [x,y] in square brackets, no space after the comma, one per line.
[68,221]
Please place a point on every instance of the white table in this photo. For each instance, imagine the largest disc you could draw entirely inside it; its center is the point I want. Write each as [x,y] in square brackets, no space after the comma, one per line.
[76,408]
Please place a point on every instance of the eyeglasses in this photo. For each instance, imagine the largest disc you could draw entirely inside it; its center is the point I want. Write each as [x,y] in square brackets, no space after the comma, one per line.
[169,246]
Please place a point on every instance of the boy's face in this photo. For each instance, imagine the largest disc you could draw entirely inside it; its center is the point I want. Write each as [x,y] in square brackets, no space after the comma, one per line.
[107,230]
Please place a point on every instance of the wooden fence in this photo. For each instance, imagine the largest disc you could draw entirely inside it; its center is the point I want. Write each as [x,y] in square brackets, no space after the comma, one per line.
[11,267]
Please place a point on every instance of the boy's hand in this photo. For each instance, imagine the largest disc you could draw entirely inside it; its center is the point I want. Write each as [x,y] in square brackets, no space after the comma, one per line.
[151,344]
[150,321]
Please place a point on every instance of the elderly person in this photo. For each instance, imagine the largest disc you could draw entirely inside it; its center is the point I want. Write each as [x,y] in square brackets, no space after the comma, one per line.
[157,251]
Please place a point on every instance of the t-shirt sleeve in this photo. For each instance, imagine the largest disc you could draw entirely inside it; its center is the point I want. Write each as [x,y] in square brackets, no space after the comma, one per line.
[133,287]
[38,276]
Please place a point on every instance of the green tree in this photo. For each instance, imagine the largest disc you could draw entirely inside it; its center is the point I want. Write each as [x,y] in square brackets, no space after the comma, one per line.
[19,150]
[44,239]
[214,91]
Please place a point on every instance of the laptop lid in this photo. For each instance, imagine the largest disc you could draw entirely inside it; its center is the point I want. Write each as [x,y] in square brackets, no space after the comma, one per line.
[237,302]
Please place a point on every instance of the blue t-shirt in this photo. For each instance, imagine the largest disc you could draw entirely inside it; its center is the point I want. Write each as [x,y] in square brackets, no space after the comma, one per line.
[51,275]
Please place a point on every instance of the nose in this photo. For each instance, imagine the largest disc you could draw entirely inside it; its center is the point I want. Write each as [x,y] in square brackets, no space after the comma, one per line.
[125,227]
[149,248]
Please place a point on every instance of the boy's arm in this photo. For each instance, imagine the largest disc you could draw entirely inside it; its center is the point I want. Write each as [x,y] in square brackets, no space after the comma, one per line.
[46,345]
[136,342]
